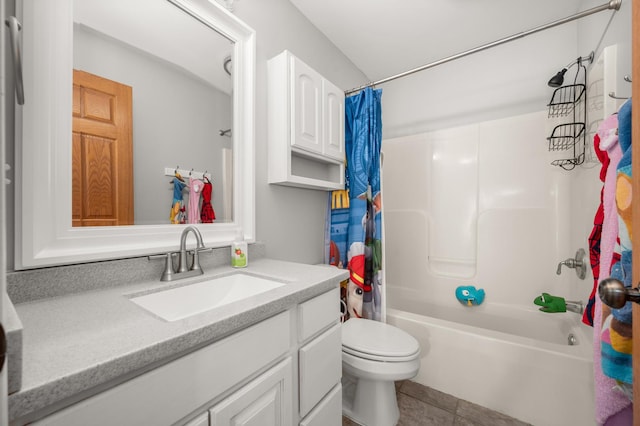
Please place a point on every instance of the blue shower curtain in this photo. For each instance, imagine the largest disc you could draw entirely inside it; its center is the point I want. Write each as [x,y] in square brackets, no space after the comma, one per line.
[356,224]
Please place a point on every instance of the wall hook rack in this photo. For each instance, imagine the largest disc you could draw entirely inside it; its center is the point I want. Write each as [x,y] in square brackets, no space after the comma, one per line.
[170,171]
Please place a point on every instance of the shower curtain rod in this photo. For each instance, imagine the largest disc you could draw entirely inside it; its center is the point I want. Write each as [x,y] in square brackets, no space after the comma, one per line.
[612,4]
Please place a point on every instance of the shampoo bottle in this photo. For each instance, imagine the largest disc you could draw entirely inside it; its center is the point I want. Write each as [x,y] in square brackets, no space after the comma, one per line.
[239,255]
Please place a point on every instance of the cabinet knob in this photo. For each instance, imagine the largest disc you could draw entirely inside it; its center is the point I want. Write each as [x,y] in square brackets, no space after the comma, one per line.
[3,346]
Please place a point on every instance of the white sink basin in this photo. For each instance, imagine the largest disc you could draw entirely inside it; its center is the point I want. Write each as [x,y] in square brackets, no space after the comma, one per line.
[181,302]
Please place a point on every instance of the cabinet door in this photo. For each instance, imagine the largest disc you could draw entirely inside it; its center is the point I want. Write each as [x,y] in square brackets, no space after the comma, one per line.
[328,412]
[201,420]
[306,92]
[333,121]
[320,365]
[265,401]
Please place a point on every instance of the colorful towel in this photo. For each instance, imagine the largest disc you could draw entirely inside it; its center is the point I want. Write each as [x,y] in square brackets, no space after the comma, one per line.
[595,236]
[616,329]
[177,206]
[604,252]
[195,190]
[207,215]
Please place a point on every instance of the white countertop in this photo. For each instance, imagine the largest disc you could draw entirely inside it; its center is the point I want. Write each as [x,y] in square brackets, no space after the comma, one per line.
[82,343]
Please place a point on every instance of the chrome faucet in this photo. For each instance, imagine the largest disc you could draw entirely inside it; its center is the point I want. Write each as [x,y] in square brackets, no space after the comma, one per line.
[183,271]
[578,263]
[182,260]
[577,307]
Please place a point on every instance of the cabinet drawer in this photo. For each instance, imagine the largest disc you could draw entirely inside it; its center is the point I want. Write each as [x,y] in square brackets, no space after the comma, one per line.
[168,393]
[320,367]
[328,412]
[318,313]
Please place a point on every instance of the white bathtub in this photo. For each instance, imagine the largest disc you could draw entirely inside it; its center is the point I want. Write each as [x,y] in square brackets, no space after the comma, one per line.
[512,359]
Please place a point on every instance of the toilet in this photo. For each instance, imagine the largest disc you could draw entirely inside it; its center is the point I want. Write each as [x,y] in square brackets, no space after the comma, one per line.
[374,356]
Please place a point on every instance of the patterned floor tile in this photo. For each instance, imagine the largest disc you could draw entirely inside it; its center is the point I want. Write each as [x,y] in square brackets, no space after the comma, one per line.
[482,416]
[422,406]
[430,396]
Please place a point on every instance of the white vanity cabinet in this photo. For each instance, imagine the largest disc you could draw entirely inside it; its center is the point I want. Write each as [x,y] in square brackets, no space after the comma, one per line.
[282,371]
[265,401]
[306,126]
[320,361]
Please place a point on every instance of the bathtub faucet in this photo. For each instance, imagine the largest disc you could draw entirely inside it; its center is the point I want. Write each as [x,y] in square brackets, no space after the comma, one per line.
[578,263]
[577,307]
[552,304]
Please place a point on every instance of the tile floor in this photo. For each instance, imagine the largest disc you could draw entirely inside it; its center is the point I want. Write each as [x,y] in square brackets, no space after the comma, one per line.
[423,406]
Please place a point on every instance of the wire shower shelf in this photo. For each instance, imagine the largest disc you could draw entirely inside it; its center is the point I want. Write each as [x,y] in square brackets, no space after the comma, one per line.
[565,136]
[570,101]
[564,99]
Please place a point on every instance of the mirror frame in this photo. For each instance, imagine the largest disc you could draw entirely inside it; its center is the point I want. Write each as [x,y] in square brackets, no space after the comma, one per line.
[44,235]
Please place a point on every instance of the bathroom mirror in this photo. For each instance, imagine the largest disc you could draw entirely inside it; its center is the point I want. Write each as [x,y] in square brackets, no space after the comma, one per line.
[167,97]
[44,232]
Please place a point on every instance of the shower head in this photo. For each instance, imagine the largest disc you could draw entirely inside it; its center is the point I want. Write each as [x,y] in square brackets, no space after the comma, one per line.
[558,79]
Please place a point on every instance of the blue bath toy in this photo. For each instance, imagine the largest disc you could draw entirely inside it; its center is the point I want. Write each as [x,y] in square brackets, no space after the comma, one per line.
[469,295]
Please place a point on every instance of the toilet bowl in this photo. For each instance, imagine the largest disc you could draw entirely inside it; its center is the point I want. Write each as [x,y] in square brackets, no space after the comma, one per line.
[374,356]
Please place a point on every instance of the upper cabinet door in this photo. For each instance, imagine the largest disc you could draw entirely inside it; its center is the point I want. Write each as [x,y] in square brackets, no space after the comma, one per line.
[333,121]
[306,95]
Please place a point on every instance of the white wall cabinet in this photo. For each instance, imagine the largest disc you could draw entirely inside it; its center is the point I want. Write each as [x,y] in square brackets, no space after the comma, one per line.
[248,378]
[306,126]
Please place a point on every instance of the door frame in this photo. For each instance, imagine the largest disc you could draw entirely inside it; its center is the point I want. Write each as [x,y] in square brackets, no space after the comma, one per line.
[4,386]
[635,202]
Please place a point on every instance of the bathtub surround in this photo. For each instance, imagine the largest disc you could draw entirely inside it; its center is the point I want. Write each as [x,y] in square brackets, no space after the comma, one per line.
[502,368]
[514,210]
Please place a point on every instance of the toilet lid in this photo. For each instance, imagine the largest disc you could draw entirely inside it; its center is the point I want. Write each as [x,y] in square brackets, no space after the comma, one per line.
[377,338]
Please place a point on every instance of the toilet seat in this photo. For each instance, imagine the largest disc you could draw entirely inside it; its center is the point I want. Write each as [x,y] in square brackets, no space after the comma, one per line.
[378,341]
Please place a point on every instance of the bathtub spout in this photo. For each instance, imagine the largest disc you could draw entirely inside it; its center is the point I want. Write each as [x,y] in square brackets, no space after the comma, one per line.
[577,307]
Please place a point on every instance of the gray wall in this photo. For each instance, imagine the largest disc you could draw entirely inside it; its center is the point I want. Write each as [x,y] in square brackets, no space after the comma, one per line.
[290,221]
[176,119]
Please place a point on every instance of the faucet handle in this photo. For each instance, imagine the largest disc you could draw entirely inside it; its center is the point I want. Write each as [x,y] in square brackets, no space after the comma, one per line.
[195,265]
[167,274]
[578,263]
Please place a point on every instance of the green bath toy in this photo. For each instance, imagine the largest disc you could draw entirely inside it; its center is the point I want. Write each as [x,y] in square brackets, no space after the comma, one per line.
[550,303]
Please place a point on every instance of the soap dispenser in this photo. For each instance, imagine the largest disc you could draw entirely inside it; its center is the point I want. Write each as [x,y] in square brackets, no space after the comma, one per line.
[239,255]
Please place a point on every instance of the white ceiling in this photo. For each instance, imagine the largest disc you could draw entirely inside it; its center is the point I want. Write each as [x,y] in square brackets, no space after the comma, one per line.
[386,37]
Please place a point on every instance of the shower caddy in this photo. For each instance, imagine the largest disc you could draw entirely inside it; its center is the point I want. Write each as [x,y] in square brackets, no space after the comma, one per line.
[570,136]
